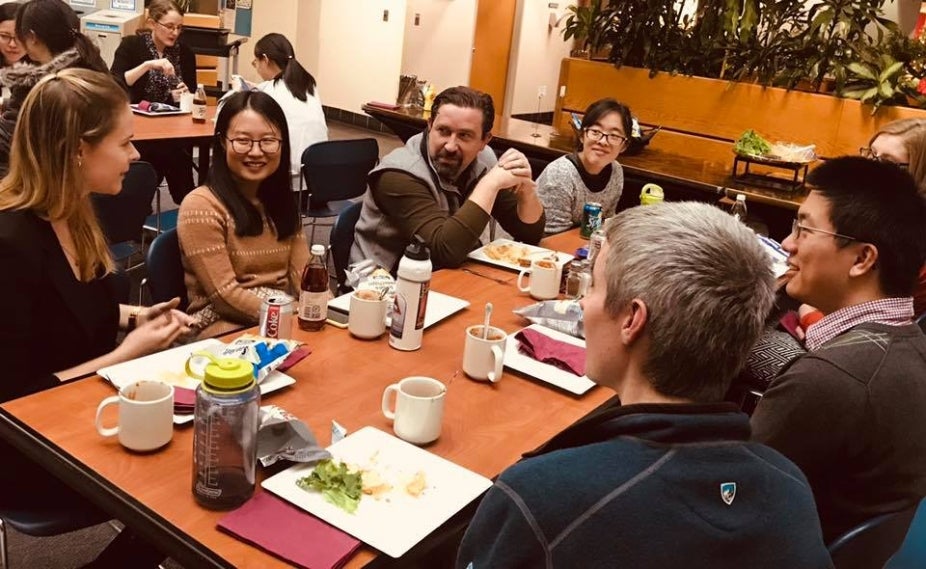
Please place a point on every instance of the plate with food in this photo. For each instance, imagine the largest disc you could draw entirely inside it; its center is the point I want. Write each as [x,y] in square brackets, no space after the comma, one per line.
[382,490]
[170,366]
[516,256]
[753,147]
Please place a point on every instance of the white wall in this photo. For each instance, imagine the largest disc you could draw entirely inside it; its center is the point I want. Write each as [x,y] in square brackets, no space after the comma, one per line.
[440,48]
[536,53]
[359,55]
[282,19]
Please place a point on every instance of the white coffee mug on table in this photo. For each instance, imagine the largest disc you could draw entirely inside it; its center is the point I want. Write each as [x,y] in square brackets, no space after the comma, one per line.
[545,276]
[367,317]
[186,102]
[419,408]
[483,359]
[146,415]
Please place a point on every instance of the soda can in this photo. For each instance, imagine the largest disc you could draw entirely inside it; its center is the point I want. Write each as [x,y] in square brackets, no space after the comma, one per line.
[276,317]
[591,219]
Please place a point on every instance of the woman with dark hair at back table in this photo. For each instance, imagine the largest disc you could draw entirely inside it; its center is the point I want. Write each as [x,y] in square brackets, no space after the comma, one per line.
[240,233]
[11,52]
[591,173]
[295,90]
[49,31]
[155,66]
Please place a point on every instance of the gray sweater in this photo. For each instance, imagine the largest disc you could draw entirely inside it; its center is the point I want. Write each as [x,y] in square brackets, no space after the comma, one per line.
[564,194]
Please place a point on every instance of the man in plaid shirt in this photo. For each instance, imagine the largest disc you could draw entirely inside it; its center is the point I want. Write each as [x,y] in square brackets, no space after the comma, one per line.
[852,412]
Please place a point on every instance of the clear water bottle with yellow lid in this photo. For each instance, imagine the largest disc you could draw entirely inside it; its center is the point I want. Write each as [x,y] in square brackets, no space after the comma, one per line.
[225,420]
[651,194]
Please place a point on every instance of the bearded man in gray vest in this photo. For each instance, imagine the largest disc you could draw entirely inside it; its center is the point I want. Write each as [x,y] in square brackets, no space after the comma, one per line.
[445,185]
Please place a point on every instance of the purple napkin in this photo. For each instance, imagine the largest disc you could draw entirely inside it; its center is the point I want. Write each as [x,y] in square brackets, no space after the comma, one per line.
[545,349]
[291,534]
[184,400]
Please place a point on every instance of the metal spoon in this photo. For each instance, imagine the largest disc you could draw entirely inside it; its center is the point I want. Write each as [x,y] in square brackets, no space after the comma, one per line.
[485,325]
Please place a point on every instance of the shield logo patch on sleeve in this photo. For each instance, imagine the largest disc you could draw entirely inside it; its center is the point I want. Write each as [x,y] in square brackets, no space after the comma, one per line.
[728,492]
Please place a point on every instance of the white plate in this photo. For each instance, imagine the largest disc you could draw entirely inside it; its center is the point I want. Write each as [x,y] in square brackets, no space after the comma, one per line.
[170,366]
[440,306]
[563,379]
[396,521]
[532,251]
[138,111]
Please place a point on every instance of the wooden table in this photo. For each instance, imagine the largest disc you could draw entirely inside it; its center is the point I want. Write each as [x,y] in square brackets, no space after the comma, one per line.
[687,166]
[180,129]
[486,427]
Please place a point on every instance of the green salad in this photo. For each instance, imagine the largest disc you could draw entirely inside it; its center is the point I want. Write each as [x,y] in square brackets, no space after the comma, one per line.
[338,484]
[751,144]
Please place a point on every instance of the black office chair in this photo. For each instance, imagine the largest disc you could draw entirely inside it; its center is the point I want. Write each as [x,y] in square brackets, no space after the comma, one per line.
[165,270]
[921,320]
[912,553]
[335,172]
[342,239]
[44,522]
[873,542]
[122,216]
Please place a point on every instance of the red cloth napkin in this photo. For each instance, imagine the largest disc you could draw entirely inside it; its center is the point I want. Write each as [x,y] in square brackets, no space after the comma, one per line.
[295,357]
[291,534]
[545,349]
[184,400]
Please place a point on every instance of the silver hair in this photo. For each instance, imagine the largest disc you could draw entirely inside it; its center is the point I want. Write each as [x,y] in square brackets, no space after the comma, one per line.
[708,287]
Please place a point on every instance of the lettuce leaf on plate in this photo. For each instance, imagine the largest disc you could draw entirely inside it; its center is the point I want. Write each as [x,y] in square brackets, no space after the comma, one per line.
[336,482]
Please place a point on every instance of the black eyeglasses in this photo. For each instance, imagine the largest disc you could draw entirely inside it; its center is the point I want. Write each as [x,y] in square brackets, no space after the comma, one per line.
[170,27]
[244,145]
[7,38]
[867,152]
[797,228]
[610,138]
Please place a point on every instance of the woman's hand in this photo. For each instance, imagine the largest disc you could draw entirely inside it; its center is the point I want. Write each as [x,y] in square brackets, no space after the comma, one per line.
[155,334]
[161,65]
[153,312]
[178,92]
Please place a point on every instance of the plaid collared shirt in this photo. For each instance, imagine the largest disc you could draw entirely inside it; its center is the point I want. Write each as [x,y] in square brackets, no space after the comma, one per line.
[890,311]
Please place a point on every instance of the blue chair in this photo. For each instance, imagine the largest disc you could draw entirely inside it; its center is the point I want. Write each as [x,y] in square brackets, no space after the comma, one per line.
[912,553]
[871,543]
[165,270]
[335,172]
[122,216]
[342,239]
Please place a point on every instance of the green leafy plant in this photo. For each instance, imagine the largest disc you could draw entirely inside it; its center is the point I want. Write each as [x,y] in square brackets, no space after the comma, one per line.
[589,25]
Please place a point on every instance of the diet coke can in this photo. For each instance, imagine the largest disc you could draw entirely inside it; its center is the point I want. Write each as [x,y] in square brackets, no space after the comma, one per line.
[276,317]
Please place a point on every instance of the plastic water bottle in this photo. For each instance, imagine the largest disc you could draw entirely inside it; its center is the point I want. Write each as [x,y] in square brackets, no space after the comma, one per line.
[225,420]
[411,297]
[738,209]
[313,298]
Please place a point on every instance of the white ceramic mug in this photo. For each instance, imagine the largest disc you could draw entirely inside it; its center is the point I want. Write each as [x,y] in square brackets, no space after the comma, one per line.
[367,318]
[186,102]
[545,276]
[146,415]
[419,408]
[483,358]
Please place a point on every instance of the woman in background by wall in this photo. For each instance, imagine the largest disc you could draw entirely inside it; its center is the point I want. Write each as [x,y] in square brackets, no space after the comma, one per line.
[10,50]
[295,90]
[155,66]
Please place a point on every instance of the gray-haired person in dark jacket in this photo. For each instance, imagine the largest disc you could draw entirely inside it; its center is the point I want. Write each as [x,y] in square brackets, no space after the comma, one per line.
[668,479]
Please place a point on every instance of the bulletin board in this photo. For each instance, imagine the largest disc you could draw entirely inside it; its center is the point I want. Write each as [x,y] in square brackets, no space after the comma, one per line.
[237,16]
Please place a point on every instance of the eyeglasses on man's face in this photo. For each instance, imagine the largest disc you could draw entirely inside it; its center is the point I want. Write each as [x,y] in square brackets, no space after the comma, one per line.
[7,38]
[609,138]
[867,152]
[797,229]
[170,27]
[242,145]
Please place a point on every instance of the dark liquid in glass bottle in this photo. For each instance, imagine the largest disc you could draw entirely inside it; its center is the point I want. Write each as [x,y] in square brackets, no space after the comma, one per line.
[313,299]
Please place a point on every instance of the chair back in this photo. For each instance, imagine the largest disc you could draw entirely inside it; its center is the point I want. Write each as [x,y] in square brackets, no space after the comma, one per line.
[165,269]
[342,239]
[921,320]
[873,542]
[912,553]
[122,216]
[337,169]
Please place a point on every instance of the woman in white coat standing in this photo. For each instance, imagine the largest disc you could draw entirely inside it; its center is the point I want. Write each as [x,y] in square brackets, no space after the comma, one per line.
[295,90]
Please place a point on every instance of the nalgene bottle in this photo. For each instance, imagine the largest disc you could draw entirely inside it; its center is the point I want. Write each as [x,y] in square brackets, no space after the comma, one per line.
[413,279]
[225,434]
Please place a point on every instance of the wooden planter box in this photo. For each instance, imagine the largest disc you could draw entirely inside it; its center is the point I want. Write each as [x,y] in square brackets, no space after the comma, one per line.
[722,110]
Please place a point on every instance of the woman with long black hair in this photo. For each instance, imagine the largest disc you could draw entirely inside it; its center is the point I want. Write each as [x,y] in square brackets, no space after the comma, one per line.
[294,89]
[240,233]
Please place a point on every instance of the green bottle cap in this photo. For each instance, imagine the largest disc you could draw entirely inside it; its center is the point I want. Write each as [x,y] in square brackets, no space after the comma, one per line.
[221,373]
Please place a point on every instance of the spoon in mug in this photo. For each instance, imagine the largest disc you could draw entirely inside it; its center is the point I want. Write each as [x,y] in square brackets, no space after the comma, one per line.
[485,325]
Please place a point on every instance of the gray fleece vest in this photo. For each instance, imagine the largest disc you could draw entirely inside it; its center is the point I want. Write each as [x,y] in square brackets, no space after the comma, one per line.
[376,235]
